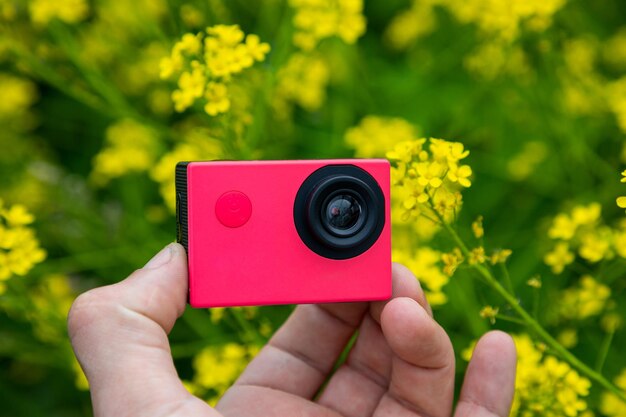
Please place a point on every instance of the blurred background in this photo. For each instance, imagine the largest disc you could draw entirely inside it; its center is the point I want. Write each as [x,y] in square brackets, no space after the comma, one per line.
[100,98]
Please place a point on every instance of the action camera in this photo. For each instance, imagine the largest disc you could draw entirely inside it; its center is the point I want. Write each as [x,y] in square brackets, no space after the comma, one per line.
[285,232]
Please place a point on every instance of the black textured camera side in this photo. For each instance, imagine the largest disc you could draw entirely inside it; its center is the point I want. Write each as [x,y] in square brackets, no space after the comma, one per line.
[181,204]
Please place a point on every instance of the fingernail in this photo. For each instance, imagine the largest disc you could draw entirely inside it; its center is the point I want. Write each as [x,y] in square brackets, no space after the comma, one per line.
[160,258]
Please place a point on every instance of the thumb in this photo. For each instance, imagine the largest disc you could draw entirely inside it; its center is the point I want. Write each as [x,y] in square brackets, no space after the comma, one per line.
[119,335]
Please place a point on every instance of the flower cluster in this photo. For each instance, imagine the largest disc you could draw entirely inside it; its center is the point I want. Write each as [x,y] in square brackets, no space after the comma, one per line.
[504,20]
[587,299]
[582,230]
[19,247]
[544,386]
[501,21]
[402,31]
[68,11]
[217,367]
[129,147]
[18,96]
[429,178]
[303,81]
[611,405]
[374,135]
[316,20]
[205,63]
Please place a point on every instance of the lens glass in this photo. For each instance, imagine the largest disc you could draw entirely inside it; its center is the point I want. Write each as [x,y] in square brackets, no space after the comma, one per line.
[342,212]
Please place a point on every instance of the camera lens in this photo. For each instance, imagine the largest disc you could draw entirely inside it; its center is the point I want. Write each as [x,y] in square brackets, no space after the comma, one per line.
[342,212]
[339,211]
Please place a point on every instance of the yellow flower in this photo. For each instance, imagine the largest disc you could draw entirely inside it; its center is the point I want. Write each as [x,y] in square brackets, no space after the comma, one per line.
[586,215]
[452,261]
[477,228]
[429,174]
[129,147]
[408,150]
[452,152]
[316,20]
[217,99]
[18,95]
[563,227]
[190,87]
[611,322]
[256,48]
[217,367]
[477,256]
[17,215]
[424,265]
[460,174]
[447,202]
[19,247]
[303,81]
[534,282]
[594,246]
[504,21]
[415,194]
[559,257]
[402,31]
[568,337]
[374,135]
[489,312]
[611,405]
[587,299]
[500,256]
[206,62]
[69,11]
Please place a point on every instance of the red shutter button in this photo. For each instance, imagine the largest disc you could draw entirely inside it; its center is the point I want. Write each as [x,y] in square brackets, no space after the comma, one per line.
[233,209]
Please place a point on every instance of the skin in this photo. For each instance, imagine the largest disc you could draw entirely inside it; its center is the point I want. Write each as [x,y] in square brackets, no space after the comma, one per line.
[401,365]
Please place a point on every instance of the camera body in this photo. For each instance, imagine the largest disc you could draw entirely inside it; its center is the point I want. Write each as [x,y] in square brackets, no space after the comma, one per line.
[285,232]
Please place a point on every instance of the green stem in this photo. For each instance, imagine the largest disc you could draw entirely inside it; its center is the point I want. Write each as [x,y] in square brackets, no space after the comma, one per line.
[604,351]
[530,321]
[511,319]
[507,278]
[536,295]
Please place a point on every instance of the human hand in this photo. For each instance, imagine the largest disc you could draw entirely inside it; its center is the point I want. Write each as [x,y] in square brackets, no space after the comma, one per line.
[402,363]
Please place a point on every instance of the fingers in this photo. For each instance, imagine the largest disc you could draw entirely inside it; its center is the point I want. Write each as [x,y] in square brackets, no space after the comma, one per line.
[422,376]
[365,375]
[256,401]
[303,351]
[490,379]
[119,335]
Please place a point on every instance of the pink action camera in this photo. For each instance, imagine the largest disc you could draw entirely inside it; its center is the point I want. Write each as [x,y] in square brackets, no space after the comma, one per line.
[285,232]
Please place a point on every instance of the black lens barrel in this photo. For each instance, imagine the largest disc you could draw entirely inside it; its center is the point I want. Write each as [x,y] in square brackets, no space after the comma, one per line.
[340,234]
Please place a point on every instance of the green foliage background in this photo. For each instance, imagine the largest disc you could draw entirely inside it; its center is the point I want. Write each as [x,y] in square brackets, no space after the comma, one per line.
[96,234]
